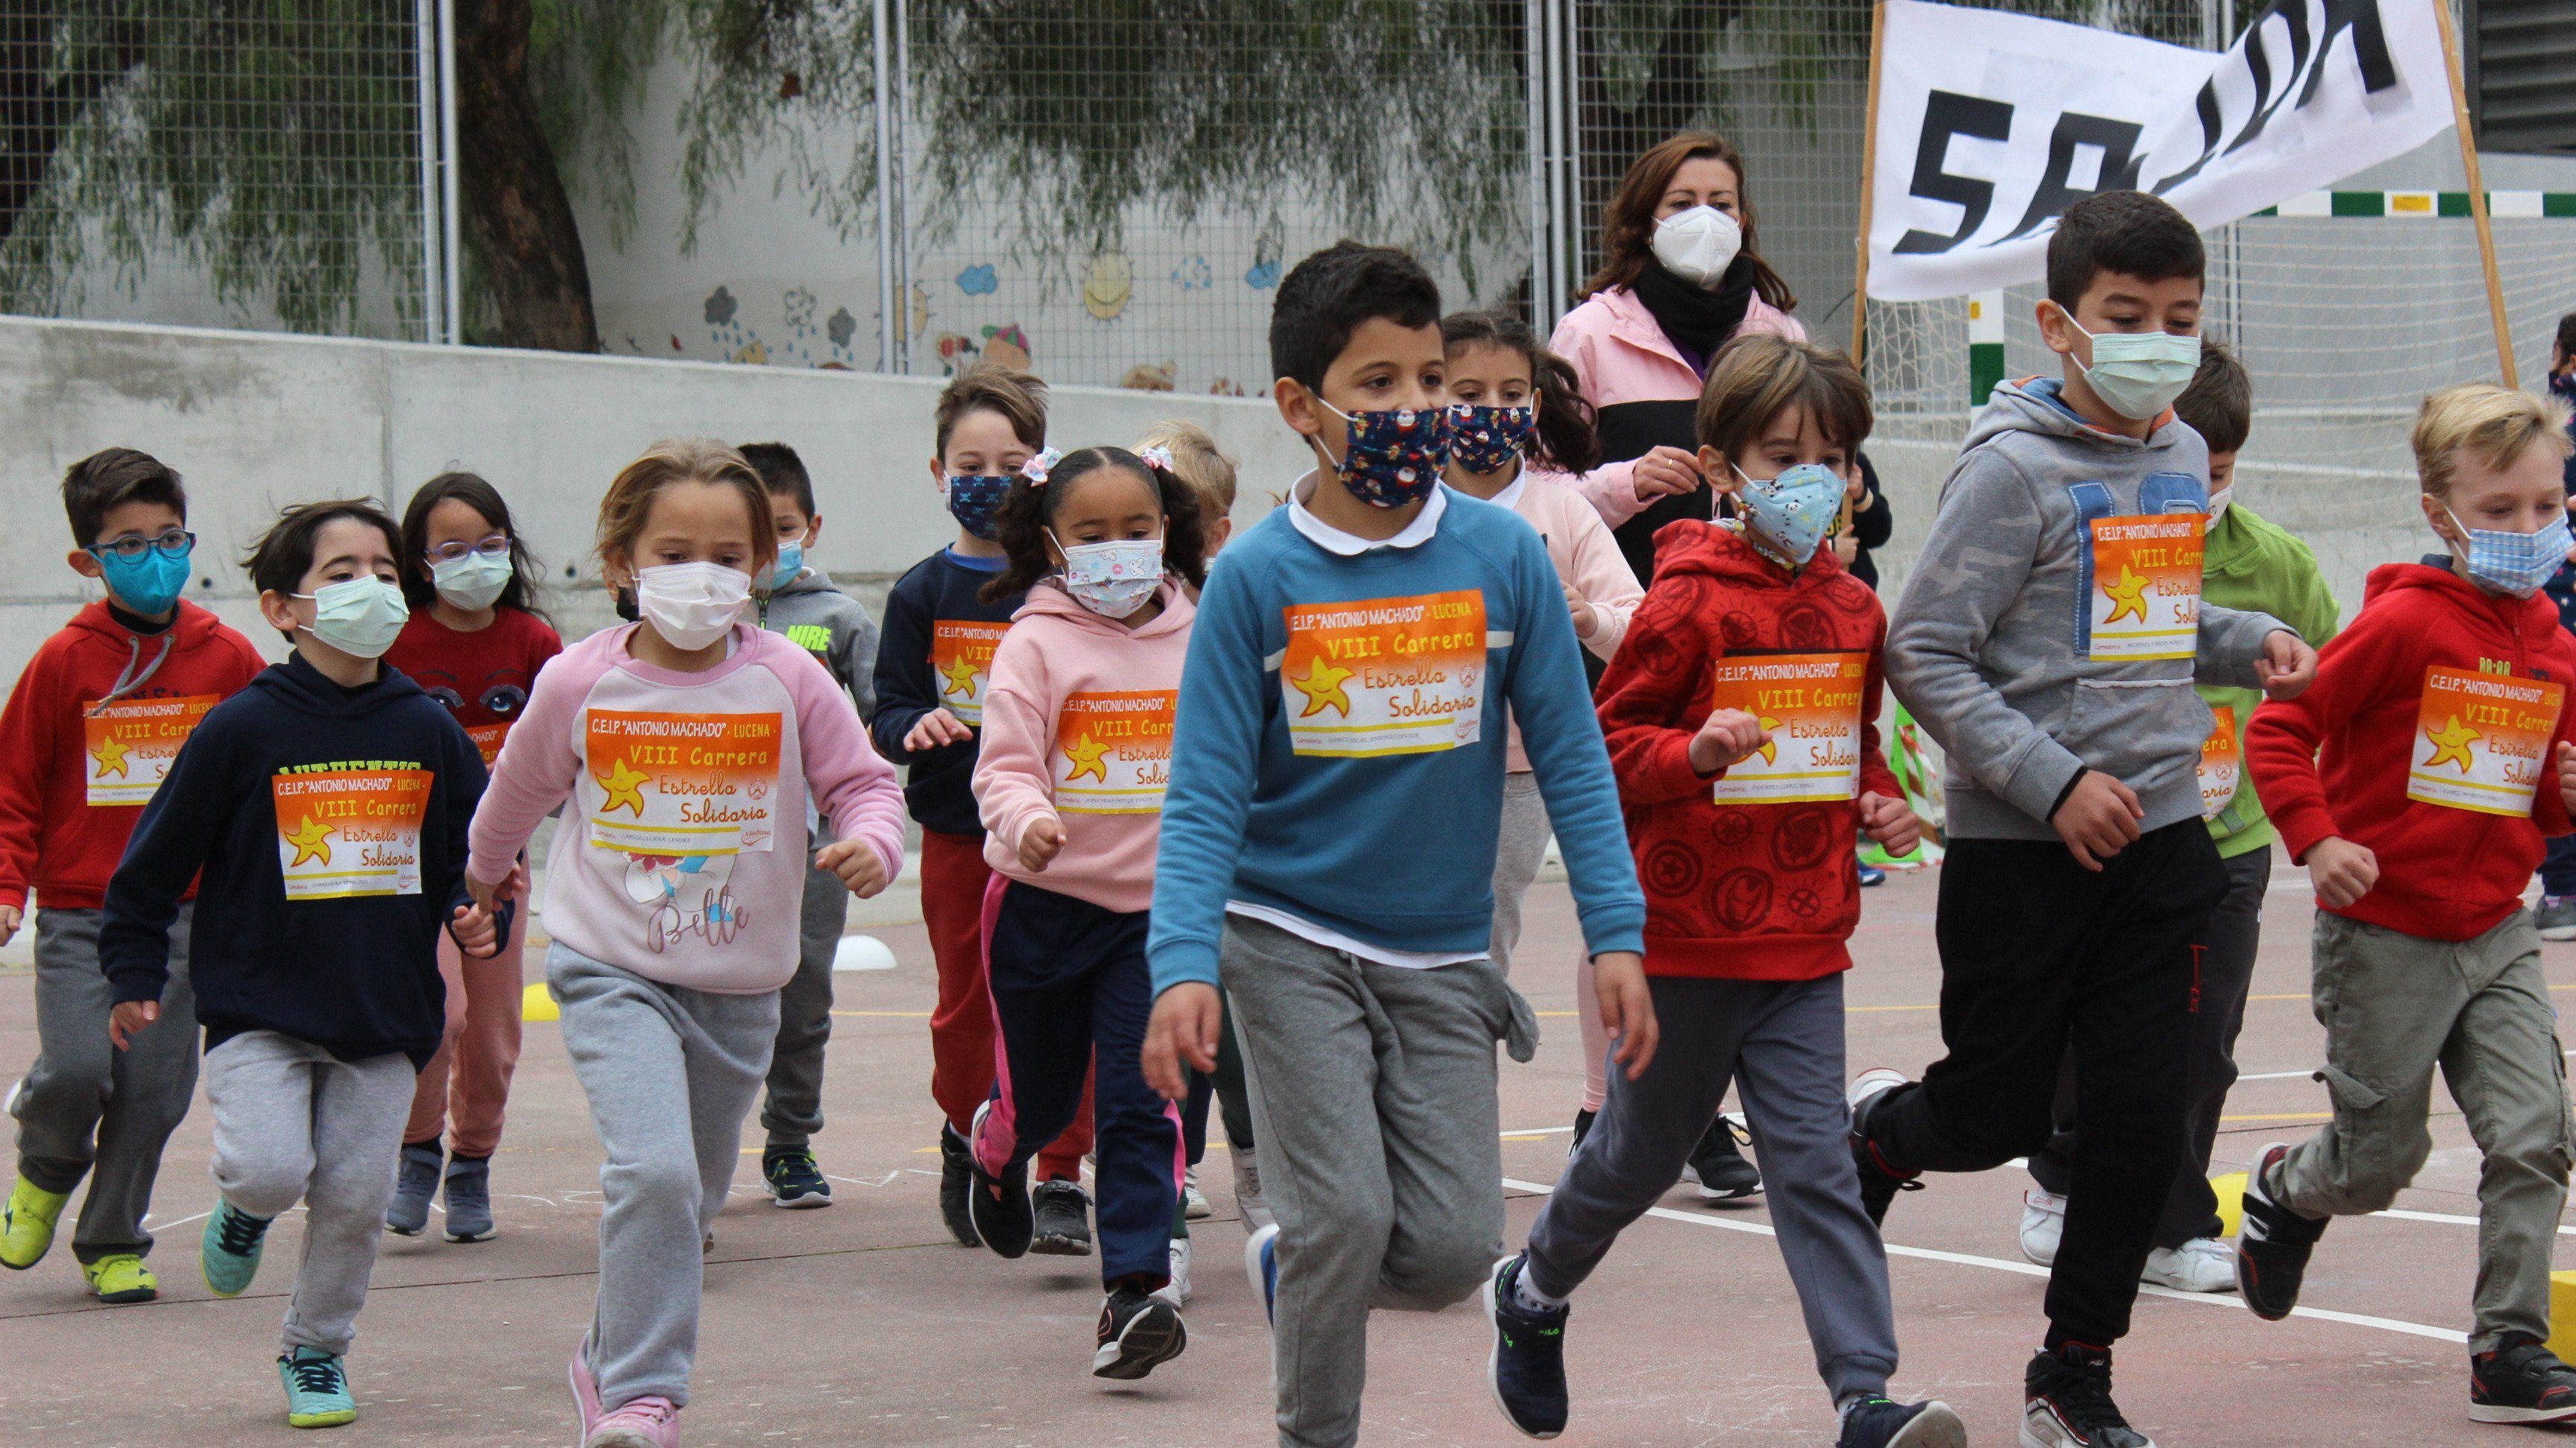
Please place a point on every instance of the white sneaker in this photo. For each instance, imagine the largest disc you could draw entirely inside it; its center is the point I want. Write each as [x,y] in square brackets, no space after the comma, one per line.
[1194,1203]
[1871,1082]
[2203,1264]
[2043,1221]
[1247,1190]
[1177,1291]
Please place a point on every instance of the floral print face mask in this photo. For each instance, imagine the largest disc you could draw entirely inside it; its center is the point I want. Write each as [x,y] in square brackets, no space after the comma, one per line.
[1112,578]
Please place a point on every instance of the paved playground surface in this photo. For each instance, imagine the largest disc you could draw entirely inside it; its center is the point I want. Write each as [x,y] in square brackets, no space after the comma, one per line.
[863,1323]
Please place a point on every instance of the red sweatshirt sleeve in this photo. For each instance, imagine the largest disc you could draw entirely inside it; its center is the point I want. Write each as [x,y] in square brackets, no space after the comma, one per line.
[27,730]
[2282,740]
[1650,701]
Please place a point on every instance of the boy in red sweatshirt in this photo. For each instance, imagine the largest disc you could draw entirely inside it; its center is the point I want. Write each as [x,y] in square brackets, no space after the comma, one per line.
[85,739]
[2415,781]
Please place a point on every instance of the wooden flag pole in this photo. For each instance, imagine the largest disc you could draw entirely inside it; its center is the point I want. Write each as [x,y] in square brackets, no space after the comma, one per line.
[1868,181]
[2477,194]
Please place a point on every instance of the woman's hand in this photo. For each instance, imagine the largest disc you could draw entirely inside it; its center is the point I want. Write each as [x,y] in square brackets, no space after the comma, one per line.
[1665,472]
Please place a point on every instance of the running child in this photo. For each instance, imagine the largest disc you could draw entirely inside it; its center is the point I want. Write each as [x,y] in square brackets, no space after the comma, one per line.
[1330,834]
[1077,749]
[2049,638]
[931,673]
[801,603]
[685,749]
[86,738]
[1747,712]
[2415,783]
[474,643]
[321,813]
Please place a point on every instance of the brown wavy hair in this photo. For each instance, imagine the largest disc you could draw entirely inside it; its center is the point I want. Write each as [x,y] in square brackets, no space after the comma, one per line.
[1758,376]
[1628,221]
[683,460]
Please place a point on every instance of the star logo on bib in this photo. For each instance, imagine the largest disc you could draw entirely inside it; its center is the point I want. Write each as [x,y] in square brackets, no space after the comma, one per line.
[1088,758]
[312,841]
[1322,687]
[960,674]
[2451,745]
[1770,750]
[2128,597]
[111,759]
[625,786]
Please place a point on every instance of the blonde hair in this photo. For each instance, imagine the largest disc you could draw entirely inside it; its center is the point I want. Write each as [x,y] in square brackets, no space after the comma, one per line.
[629,503]
[1196,458]
[2496,423]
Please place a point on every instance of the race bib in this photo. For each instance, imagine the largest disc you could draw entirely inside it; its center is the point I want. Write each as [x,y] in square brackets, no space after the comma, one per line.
[2220,763]
[682,784]
[345,832]
[2145,602]
[132,741]
[1810,703]
[2482,740]
[487,740]
[1113,751]
[1385,675]
[961,654]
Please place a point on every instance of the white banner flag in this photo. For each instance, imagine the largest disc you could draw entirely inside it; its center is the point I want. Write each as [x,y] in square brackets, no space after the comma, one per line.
[1990,124]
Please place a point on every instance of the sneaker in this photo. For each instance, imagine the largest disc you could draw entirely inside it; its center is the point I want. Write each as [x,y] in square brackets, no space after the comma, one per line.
[1062,1220]
[1194,1203]
[120,1278]
[2067,1402]
[2043,1221]
[1717,1164]
[795,1182]
[2272,1250]
[1261,1264]
[1879,1182]
[469,1200]
[415,1183]
[585,1391]
[956,1184]
[2203,1264]
[1880,1423]
[644,1423]
[1526,1369]
[317,1389]
[1137,1331]
[1582,1128]
[2556,917]
[2522,1381]
[228,1252]
[998,1206]
[1872,875]
[1177,1290]
[1247,1189]
[27,1224]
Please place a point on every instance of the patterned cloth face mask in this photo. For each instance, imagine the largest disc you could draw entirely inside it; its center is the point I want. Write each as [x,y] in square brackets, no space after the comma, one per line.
[1393,457]
[1112,578]
[2514,563]
[1483,439]
[1785,518]
[973,499]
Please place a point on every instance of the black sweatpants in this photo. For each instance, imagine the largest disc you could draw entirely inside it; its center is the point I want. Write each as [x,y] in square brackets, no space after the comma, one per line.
[2040,956]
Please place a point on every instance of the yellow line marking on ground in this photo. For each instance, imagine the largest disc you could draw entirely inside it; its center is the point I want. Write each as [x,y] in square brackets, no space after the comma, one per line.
[2285,1116]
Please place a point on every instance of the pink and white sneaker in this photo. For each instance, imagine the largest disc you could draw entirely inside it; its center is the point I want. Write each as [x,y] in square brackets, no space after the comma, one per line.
[585,1392]
[644,1423]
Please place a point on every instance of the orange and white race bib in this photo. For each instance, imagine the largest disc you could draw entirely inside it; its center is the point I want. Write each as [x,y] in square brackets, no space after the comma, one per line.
[2482,740]
[961,655]
[2221,763]
[2145,602]
[682,784]
[132,741]
[350,831]
[1113,751]
[488,739]
[1810,703]
[1385,675]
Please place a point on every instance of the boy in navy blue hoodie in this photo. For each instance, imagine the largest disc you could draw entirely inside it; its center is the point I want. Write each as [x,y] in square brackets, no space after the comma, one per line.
[322,811]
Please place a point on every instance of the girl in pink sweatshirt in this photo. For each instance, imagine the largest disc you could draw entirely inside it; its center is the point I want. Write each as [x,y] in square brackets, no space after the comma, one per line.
[684,750]
[1077,749]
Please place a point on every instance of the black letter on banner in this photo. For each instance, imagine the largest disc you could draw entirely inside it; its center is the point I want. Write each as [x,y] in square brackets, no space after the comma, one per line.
[2369,47]
[2258,60]
[2118,143]
[2206,103]
[1948,114]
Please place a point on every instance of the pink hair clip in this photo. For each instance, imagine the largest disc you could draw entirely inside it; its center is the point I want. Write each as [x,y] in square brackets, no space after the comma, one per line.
[1037,468]
[1157,457]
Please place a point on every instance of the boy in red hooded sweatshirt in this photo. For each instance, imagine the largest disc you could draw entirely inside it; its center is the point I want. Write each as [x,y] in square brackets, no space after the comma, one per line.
[2415,781]
[89,731]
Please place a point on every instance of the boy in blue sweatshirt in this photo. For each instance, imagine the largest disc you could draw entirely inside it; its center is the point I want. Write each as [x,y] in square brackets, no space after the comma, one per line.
[1328,838]
[322,812]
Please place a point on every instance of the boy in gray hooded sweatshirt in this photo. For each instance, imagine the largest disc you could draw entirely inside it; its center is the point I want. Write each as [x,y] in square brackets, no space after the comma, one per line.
[2049,637]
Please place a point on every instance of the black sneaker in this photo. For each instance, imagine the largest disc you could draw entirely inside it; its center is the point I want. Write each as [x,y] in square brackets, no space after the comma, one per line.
[1527,1367]
[1879,1181]
[1582,1129]
[2272,1250]
[1879,1423]
[1137,1332]
[794,1180]
[956,1184]
[1063,1213]
[1718,1165]
[2522,1381]
[998,1206]
[2067,1402]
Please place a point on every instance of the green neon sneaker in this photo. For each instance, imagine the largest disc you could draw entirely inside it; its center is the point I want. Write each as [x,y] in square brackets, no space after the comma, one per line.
[121,1277]
[27,1224]
[317,1389]
[229,1251]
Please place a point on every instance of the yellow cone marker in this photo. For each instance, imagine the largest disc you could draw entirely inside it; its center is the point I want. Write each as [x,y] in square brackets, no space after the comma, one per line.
[536,1005]
[2562,1313]
[2231,1201]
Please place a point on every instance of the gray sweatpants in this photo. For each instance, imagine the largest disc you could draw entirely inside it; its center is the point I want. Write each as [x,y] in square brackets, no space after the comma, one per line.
[1373,1100]
[1517,856]
[793,1111]
[2394,1006]
[670,1073]
[293,1121]
[86,1107]
[1781,1042]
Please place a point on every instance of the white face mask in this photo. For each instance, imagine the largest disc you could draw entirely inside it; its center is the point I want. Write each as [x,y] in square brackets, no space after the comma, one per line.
[2139,374]
[473,581]
[360,617]
[2218,502]
[691,605]
[1698,245]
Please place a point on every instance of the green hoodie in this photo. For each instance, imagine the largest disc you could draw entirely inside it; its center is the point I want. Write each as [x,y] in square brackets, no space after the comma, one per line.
[2258,566]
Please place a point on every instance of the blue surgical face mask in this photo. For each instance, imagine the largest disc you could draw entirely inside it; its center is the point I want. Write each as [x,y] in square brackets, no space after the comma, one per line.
[148,584]
[360,617]
[791,563]
[1786,518]
[473,581]
[2139,374]
[2514,563]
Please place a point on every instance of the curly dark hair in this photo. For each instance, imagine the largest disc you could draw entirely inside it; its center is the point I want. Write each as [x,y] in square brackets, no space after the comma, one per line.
[1028,509]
